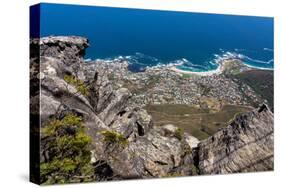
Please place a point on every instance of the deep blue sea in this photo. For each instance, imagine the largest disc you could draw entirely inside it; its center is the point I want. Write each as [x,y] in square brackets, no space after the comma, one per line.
[195,41]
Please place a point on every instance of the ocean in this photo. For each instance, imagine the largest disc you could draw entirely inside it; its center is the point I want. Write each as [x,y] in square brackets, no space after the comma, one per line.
[145,38]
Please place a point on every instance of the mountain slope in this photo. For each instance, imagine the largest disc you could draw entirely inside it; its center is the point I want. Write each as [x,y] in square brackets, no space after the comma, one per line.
[125,143]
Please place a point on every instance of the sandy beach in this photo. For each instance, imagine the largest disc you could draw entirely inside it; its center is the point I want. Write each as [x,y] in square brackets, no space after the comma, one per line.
[217,71]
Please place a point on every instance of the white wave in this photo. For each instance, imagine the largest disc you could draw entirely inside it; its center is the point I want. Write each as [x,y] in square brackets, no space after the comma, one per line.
[214,62]
[149,62]
[255,67]
[174,63]
[139,63]
[240,50]
[88,60]
[233,55]
[185,60]
[141,55]
[227,56]
[185,63]
[257,60]
[268,49]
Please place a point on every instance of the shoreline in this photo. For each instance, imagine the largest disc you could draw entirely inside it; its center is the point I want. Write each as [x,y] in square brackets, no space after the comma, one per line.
[173,67]
[219,70]
[258,68]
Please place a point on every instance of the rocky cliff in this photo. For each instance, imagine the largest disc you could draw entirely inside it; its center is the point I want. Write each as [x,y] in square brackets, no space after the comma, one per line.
[69,85]
[245,145]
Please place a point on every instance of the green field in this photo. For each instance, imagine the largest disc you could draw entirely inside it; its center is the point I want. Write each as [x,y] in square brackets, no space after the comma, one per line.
[261,81]
[198,122]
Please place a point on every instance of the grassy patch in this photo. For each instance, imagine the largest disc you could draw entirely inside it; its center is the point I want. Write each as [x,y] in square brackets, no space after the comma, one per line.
[179,133]
[261,81]
[186,75]
[112,137]
[198,122]
[78,84]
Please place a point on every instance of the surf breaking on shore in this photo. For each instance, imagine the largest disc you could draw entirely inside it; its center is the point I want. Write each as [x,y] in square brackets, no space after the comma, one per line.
[219,70]
[141,62]
[221,61]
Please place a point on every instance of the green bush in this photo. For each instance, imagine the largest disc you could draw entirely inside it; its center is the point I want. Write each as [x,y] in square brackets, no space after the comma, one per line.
[112,137]
[78,84]
[179,133]
[52,129]
[68,151]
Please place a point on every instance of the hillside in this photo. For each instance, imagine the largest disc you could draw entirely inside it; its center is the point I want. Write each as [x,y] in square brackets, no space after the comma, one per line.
[90,130]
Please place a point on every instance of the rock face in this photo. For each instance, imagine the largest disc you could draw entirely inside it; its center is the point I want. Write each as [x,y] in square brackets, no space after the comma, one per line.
[245,145]
[150,152]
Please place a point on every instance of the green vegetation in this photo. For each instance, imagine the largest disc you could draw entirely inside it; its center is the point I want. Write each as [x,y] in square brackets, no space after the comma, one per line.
[67,148]
[179,133]
[173,109]
[233,67]
[136,89]
[200,123]
[186,75]
[78,84]
[112,137]
[234,117]
[261,81]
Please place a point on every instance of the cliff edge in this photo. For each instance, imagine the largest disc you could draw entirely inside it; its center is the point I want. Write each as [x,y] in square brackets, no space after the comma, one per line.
[69,85]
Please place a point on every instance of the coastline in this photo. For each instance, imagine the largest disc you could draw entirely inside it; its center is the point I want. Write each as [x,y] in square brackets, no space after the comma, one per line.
[217,71]
[223,65]
[258,68]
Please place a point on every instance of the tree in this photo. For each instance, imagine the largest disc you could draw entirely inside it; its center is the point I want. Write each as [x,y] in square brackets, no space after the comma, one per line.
[68,153]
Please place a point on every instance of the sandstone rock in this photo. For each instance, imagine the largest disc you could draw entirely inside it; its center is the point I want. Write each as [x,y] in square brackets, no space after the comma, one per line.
[115,106]
[144,122]
[192,141]
[246,145]
[71,47]
[48,107]
[169,128]
[153,155]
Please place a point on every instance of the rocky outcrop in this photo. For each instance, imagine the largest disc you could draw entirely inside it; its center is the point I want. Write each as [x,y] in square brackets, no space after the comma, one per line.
[150,151]
[152,155]
[245,145]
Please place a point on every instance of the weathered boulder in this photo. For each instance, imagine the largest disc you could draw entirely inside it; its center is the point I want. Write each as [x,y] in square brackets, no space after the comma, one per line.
[153,155]
[132,123]
[191,140]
